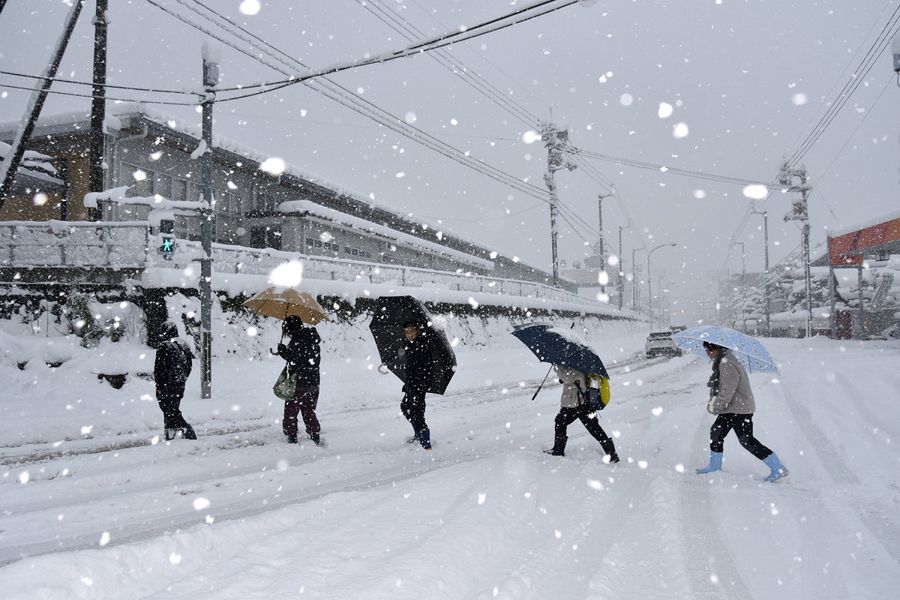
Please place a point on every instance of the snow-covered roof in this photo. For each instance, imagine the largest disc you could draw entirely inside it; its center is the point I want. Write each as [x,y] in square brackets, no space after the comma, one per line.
[317,210]
[869,223]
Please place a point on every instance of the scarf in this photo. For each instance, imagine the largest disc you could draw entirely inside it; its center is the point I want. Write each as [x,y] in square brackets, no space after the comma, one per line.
[713,382]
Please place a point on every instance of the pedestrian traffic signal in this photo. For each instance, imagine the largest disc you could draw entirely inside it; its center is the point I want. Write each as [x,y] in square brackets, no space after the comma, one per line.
[167,232]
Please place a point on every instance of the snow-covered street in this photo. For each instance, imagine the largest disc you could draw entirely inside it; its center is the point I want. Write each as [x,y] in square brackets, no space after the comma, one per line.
[113,512]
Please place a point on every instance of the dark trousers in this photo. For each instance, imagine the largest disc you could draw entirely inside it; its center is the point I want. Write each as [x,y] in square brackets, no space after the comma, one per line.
[743,428]
[169,398]
[305,401]
[413,408]
[567,416]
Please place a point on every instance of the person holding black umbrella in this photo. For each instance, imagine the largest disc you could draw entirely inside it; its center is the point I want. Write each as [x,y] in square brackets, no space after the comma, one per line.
[573,405]
[418,360]
[303,356]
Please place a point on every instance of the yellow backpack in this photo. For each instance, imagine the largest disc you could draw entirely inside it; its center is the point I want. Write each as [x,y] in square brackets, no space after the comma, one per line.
[597,395]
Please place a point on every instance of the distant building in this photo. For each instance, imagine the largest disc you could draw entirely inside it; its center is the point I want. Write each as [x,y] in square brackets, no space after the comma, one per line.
[150,155]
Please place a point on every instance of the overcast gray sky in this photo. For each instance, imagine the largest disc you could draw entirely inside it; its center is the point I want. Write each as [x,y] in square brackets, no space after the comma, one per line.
[747,78]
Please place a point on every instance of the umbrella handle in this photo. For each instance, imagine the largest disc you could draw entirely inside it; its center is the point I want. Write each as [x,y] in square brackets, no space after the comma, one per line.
[542,383]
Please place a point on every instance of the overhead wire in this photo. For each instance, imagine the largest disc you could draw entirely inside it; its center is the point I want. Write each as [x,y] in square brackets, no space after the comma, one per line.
[444,40]
[446,60]
[345,97]
[857,77]
[102,96]
[493,65]
[103,85]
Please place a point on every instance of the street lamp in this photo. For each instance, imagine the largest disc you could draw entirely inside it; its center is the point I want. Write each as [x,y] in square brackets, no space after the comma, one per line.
[634,281]
[768,307]
[650,279]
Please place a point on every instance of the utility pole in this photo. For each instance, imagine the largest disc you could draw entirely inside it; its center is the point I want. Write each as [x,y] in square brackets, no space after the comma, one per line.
[634,280]
[98,102]
[555,141]
[621,272]
[650,279]
[10,165]
[210,80]
[800,212]
[768,305]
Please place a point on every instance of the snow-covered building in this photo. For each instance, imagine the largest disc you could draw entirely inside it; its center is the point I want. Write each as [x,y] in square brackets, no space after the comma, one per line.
[151,156]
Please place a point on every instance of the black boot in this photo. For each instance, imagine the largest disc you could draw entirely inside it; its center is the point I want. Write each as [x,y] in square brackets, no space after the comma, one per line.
[314,436]
[559,447]
[425,439]
[610,449]
[188,433]
[292,438]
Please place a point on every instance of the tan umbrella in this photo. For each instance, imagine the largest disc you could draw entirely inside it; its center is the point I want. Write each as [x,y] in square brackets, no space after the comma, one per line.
[283,303]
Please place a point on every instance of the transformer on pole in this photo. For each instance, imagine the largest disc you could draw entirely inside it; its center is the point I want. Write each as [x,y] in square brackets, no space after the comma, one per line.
[796,180]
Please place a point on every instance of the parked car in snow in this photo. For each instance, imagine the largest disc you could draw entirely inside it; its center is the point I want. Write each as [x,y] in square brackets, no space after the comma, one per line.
[660,343]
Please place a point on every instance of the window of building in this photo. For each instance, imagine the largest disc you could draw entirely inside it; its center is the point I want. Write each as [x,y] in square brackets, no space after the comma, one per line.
[163,186]
[179,190]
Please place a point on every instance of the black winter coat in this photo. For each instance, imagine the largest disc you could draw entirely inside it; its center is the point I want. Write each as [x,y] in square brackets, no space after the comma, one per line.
[419,365]
[303,356]
[173,364]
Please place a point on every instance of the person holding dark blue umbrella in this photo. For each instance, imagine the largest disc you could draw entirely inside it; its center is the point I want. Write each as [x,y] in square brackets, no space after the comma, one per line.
[573,405]
[576,367]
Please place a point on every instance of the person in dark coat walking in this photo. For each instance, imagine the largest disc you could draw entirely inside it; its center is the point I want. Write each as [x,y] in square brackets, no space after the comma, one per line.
[731,400]
[574,407]
[418,375]
[303,355]
[170,372]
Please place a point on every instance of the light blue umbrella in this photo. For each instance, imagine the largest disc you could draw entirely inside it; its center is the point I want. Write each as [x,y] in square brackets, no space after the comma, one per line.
[752,354]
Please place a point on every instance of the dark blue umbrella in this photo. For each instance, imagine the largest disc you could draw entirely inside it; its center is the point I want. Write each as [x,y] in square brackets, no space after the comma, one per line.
[555,346]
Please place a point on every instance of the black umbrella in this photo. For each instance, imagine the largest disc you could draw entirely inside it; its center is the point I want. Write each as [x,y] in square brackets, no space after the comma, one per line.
[389,316]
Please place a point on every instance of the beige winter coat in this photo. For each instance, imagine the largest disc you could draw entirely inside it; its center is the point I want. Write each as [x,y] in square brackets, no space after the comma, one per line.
[735,395]
[571,395]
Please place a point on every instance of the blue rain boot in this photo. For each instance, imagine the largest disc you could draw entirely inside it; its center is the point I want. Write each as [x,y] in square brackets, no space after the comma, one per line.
[715,464]
[425,438]
[778,470]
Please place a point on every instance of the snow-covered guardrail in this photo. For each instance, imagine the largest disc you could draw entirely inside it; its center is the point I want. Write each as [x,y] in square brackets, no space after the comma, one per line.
[73,244]
[129,245]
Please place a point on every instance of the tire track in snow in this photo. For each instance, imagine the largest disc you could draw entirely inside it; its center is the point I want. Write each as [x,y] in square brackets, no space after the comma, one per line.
[829,458]
[708,561]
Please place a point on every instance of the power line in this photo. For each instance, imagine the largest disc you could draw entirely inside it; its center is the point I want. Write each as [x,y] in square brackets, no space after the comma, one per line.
[429,45]
[442,57]
[666,169]
[856,78]
[103,96]
[345,97]
[494,65]
[105,85]
[855,129]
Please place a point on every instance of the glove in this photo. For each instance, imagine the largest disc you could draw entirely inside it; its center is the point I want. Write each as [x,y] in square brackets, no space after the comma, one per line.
[709,406]
[281,348]
[404,388]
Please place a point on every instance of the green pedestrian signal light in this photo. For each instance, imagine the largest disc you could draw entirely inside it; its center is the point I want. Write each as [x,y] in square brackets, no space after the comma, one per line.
[168,245]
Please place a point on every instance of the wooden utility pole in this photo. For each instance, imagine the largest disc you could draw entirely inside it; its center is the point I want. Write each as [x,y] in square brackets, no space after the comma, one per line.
[98,102]
[10,164]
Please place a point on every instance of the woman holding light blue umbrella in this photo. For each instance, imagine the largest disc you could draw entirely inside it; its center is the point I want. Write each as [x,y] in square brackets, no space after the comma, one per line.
[730,396]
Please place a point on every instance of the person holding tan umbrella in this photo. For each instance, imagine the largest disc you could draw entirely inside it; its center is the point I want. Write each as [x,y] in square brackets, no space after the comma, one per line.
[300,312]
